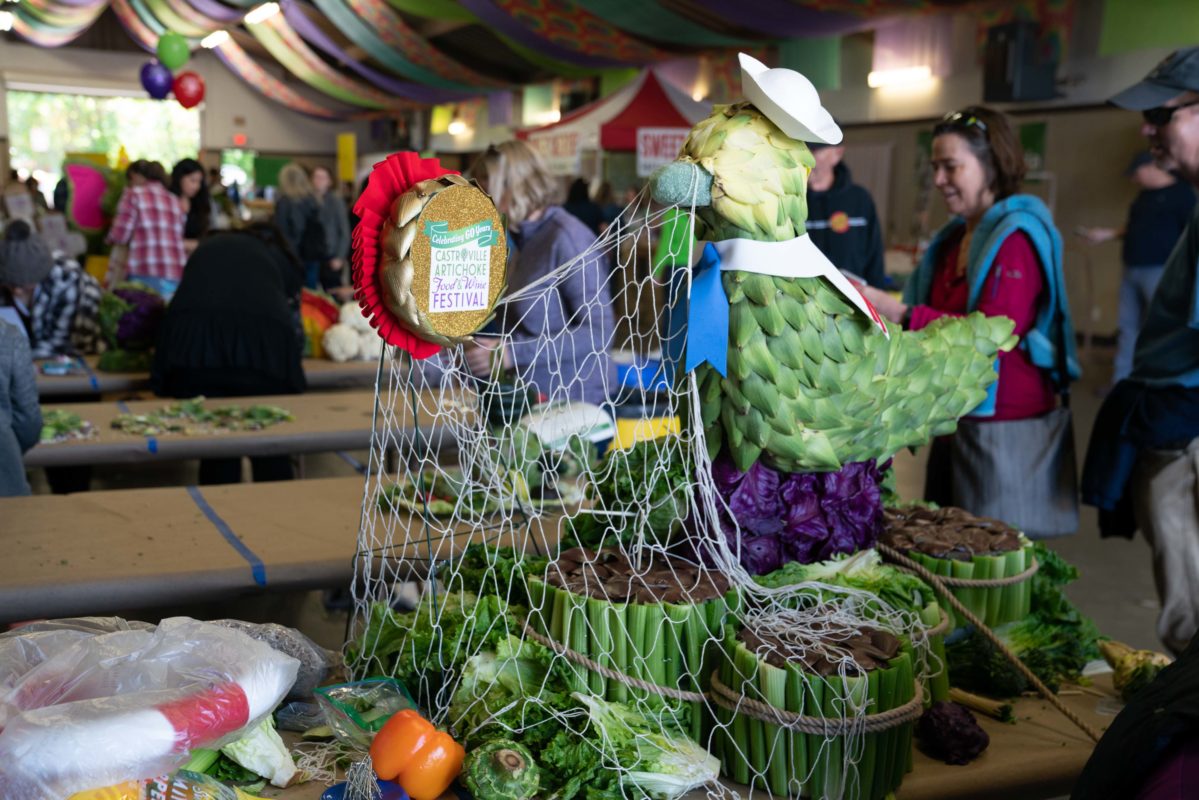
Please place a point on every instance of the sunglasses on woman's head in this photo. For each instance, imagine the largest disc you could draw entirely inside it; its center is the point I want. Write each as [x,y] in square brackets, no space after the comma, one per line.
[1160,116]
[963,120]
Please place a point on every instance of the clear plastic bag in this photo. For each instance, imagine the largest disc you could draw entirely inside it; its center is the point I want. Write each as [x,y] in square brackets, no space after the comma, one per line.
[314,659]
[356,711]
[99,709]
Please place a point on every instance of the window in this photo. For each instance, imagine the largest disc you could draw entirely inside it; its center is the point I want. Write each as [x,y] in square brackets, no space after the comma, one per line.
[45,127]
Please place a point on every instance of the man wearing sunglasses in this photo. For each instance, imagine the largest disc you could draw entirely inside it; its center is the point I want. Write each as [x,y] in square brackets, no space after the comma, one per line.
[1142,467]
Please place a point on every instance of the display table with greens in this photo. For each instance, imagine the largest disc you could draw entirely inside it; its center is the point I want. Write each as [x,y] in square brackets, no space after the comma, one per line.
[322,423]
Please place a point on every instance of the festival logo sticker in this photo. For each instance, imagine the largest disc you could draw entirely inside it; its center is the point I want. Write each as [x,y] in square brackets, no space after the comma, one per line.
[445,260]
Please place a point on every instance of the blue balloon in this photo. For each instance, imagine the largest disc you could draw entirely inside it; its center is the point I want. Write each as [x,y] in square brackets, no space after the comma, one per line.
[156,79]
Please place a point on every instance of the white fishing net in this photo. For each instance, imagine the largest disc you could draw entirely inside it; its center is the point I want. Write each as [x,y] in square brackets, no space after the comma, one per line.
[551,562]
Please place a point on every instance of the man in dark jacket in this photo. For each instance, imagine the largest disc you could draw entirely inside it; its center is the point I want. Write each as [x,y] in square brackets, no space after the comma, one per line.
[841,218]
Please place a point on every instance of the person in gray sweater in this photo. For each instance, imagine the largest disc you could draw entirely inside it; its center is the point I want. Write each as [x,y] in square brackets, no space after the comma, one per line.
[336,222]
[556,331]
[20,417]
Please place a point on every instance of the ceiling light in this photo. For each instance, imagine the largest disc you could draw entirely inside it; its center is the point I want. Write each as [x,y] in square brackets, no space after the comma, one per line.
[6,19]
[456,128]
[262,13]
[898,77]
[214,40]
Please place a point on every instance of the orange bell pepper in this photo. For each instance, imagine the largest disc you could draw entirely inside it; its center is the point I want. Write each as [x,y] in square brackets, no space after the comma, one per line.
[421,759]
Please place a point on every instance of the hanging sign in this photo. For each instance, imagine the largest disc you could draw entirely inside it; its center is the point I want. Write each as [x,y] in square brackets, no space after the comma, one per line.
[559,150]
[657,147]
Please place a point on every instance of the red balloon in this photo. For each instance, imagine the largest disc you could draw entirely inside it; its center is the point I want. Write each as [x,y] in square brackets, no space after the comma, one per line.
[189,89]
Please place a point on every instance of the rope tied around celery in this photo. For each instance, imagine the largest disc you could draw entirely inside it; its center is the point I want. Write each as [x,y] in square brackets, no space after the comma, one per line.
[667,691]
[980,583]
[942,586]
[613,674]
[735,701]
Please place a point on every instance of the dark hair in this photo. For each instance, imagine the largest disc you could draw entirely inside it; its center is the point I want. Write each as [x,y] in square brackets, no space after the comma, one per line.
[199,210]
[578,192]
[990,137]
[150,170]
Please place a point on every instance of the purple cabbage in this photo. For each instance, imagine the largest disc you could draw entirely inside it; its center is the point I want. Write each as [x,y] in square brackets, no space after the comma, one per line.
[137,328]
[804,517]
[950,733]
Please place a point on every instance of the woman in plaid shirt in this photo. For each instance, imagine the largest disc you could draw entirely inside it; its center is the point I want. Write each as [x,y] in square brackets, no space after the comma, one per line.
[150,221]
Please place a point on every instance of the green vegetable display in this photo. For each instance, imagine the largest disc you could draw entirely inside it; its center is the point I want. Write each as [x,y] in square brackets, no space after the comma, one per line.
[60,425]
[811,384]
[647,630]
[1055,641]
[192,417]
[646,489]
[899,590]
[788,763]
[501,770]
[660,761]
[424,648]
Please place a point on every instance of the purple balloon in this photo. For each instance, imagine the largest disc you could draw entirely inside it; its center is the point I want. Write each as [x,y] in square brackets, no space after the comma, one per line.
[156,79]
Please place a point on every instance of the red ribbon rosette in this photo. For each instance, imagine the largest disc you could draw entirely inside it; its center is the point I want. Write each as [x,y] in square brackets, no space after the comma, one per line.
[389,179]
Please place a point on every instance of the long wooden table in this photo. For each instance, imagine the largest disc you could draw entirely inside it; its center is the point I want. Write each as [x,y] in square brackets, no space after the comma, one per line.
[320,373]
[1037,758]
[323,423]
[95,552]
[98,552]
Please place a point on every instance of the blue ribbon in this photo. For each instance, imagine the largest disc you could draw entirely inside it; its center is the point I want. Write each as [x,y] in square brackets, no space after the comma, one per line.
[91,376]
[257,568]
[704,327]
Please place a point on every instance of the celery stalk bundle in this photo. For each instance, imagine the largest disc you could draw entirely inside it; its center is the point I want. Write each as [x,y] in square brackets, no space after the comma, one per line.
[995,605]
[668,644]
[792,764]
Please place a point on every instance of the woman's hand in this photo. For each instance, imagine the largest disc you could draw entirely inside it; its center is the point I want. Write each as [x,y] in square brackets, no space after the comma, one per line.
[484,353]
[884,303]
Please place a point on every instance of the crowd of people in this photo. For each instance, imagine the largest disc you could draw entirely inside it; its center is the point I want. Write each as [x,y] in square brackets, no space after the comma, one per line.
[232,326]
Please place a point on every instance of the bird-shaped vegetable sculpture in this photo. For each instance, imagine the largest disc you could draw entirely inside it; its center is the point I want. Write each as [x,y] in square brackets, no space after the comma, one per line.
[812,381]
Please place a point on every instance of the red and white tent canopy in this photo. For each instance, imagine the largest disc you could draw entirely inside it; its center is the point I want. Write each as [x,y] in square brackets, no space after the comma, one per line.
[647,116]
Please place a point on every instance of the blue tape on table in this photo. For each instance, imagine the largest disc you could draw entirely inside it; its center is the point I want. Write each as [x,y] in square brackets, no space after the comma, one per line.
[257,568]
[151,442]
[91,375]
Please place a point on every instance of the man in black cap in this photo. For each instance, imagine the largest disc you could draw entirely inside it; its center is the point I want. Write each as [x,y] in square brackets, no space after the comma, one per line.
[1156,219]
[1142,468]
[842,220]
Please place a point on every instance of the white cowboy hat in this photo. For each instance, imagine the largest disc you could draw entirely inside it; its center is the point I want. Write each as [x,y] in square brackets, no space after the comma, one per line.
[789,100]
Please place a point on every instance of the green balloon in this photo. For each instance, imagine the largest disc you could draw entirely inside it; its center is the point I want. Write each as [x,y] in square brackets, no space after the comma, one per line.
[173,51]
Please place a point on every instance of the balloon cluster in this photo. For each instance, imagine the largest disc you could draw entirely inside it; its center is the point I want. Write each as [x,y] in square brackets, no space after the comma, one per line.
[157,77]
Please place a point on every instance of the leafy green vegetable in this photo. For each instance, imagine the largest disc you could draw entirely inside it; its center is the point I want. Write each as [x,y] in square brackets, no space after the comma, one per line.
[430,642]
[501,571]
[1055,641]
[58,424]
[863,570]
[262,751]
[501,770]
[660,761]
[520,692]
[651,474]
